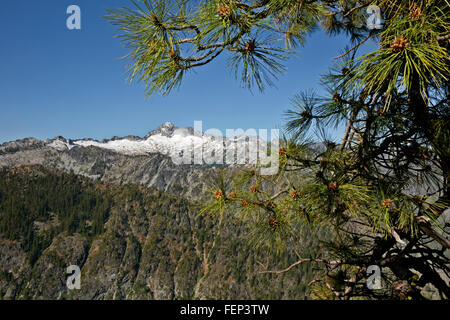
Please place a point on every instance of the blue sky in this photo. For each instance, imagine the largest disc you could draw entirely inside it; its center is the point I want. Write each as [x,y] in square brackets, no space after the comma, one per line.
[55,81]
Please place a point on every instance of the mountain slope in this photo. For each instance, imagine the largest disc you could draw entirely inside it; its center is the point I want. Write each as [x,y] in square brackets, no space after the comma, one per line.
[130,241]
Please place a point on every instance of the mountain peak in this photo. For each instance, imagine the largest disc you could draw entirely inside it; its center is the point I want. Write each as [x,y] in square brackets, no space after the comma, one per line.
[167,124]
[166,129]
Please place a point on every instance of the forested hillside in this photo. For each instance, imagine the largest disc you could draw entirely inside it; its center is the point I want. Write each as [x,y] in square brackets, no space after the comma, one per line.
[131,242]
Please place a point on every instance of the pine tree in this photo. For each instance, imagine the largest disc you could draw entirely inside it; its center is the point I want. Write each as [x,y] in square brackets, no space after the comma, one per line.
[383,190]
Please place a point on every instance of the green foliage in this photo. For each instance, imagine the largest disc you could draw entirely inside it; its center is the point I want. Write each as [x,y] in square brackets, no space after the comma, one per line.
[383,190]
[59,202]
[407,48]
[168,38]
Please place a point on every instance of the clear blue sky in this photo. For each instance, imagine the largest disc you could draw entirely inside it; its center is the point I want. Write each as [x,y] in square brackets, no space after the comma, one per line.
[54,81]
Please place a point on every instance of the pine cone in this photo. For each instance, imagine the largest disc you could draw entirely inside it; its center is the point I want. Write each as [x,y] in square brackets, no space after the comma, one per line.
[417,199]
[224,11]
[294,194]
[249,46]
[387,203]
[337,97]
[399,44]
[273,223]
[153,18]
[218,195]
[282,151]
[332,187]
[232,195]
[253,188]
[415,12]
[244,203]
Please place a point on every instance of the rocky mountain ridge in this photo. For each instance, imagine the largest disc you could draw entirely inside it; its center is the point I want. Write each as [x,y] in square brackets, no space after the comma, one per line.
[147,161]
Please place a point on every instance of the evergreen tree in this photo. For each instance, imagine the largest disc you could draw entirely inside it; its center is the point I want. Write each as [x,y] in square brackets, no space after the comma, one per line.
[384,189]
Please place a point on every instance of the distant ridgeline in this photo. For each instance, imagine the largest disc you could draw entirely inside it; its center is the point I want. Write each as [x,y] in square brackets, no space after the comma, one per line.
[130,242]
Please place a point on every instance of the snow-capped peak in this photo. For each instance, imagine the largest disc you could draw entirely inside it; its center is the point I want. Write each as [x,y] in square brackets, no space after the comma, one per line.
[166,129]
[176,143]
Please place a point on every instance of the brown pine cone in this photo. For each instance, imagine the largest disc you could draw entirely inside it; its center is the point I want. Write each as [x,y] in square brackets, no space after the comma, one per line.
[224,11]
[399,44]
[249,46]
[218,195]
[332,187]
[273,223]
[387,203]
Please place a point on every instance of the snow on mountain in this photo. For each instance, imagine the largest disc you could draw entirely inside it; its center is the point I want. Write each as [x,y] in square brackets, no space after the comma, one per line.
[60,143]
[172,141]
